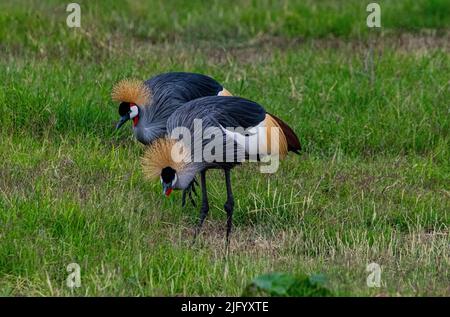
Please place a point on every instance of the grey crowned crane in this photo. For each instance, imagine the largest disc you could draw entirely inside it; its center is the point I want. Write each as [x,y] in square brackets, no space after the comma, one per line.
[245,125]
[148,104]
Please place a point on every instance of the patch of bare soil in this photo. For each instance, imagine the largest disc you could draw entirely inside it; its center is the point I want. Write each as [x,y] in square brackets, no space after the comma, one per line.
[262,48]
[243,239]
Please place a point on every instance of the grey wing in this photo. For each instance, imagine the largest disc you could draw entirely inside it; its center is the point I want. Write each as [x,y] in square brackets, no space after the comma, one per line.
[207,118]
[229,112]
[170,91]
[182,87]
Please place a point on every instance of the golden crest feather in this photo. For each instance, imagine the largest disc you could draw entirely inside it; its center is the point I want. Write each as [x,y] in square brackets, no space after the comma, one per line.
[131,90]
[162,153]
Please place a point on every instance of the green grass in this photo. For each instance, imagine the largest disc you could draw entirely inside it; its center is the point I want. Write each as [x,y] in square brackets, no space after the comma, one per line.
[372,184]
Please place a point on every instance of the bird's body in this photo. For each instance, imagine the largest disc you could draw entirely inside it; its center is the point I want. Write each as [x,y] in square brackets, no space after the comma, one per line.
[242,130]
[163,93]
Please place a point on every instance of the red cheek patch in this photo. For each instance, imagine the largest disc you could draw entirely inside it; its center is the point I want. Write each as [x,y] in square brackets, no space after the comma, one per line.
[135,121]
[168,192]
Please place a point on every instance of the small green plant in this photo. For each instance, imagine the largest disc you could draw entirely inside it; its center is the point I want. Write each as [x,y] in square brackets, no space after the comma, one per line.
[284,284]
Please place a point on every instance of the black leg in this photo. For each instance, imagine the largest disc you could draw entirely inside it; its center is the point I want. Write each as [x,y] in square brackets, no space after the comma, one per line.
[205,205]
[183,198]
[192,199]
[194,183]
[229,205]
[188,192]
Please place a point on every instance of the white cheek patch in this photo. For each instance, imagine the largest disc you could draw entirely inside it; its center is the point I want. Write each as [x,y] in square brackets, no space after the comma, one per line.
[134,111]
[174,180]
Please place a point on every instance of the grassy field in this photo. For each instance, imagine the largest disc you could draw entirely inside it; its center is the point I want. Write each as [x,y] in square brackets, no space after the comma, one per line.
[371,108]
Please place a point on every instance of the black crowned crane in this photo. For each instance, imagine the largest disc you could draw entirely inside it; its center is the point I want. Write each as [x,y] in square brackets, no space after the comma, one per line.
[148,104]
[252,132]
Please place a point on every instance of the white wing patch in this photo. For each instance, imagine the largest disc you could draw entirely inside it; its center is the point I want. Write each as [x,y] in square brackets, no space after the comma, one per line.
[253,141]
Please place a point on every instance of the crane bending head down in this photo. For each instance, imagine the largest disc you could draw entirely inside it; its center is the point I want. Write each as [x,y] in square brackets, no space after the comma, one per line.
[174,160]
[148,104]
[163,159]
